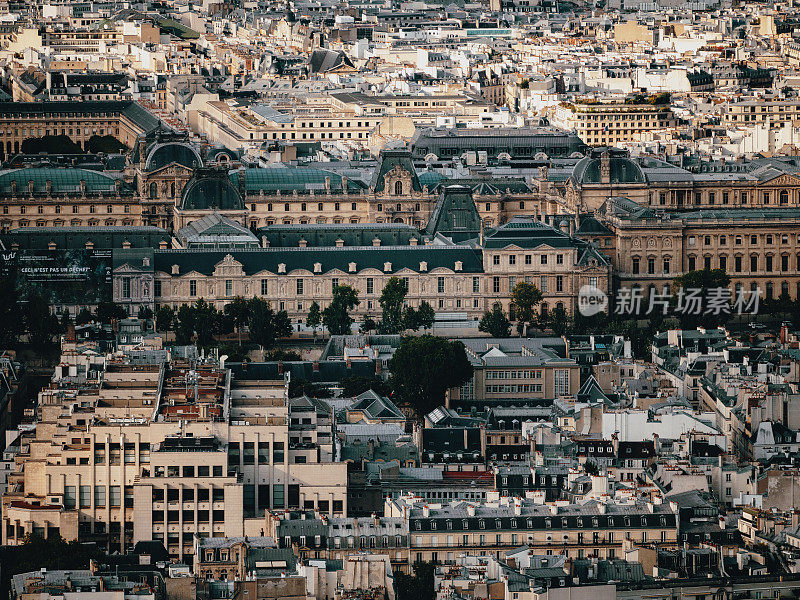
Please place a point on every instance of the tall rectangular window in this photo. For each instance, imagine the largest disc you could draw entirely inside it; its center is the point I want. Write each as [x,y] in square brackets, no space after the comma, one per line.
[99,495]
[229,287]
[476,285]
[543,284]
[157,288]
[85,496]
[496,285]
[115,495]
[263,453]
[264,287]
[126,287]
[559,283]
[299,287]
[277,452]
[561,381]
[277,496]
[370,285]
[69,496]
[193,287]
[440,285]
[249,453]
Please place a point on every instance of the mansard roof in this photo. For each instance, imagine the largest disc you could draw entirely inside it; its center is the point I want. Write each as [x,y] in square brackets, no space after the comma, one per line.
[388,160]
[396,258]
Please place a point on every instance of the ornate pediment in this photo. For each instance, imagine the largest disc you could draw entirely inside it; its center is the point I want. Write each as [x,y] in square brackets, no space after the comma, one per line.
[784,180]
[228,266]
[127,268]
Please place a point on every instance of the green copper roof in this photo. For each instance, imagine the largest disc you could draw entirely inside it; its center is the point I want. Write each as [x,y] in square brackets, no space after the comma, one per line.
[388,160]
[290,179]
[326,235]
[211,189]
[161,155]
[455,215]
[623,170]
[63,181]
[268,260]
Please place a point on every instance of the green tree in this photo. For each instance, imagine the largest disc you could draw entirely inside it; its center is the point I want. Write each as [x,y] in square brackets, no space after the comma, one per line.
[11,315]
[283,325]
[410,318]
[336,316]
[238,309]
[355,385]
[314,317]
[184,324]
[368,325]
[495,323]
[107,144]
[559,320]
[419,586]
[66,321]
[262,323]
[206,322]
[109,311]
[705,281]
[392,298]
[165,318]
[525,297]
[41,323]
[50,144]
[83,317]
[145,313]
[423,368]
[37,553]
[425,315]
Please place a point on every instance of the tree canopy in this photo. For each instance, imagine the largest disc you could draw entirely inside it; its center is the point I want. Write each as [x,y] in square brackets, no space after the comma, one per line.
[423,368]
[392,298]
[702,283]
[495,322]
[525,296]
[336,315]
[314,317]
[266,325]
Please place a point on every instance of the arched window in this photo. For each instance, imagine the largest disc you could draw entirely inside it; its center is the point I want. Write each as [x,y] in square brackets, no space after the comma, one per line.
[398,188]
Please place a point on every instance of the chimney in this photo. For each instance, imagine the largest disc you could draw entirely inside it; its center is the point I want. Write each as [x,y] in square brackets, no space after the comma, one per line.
[605,167]
[280,367]
[242,186]
[377,367]
[315,366]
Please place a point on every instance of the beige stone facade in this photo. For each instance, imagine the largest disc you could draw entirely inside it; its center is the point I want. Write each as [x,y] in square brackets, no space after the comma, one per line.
[166,452]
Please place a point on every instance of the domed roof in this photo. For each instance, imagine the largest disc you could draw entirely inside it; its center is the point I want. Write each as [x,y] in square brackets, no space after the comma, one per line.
[161,155]
[623,170]
[211,190]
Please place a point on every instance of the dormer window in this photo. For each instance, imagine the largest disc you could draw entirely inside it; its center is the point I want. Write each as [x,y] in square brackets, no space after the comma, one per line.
[282,268]
[387,267]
